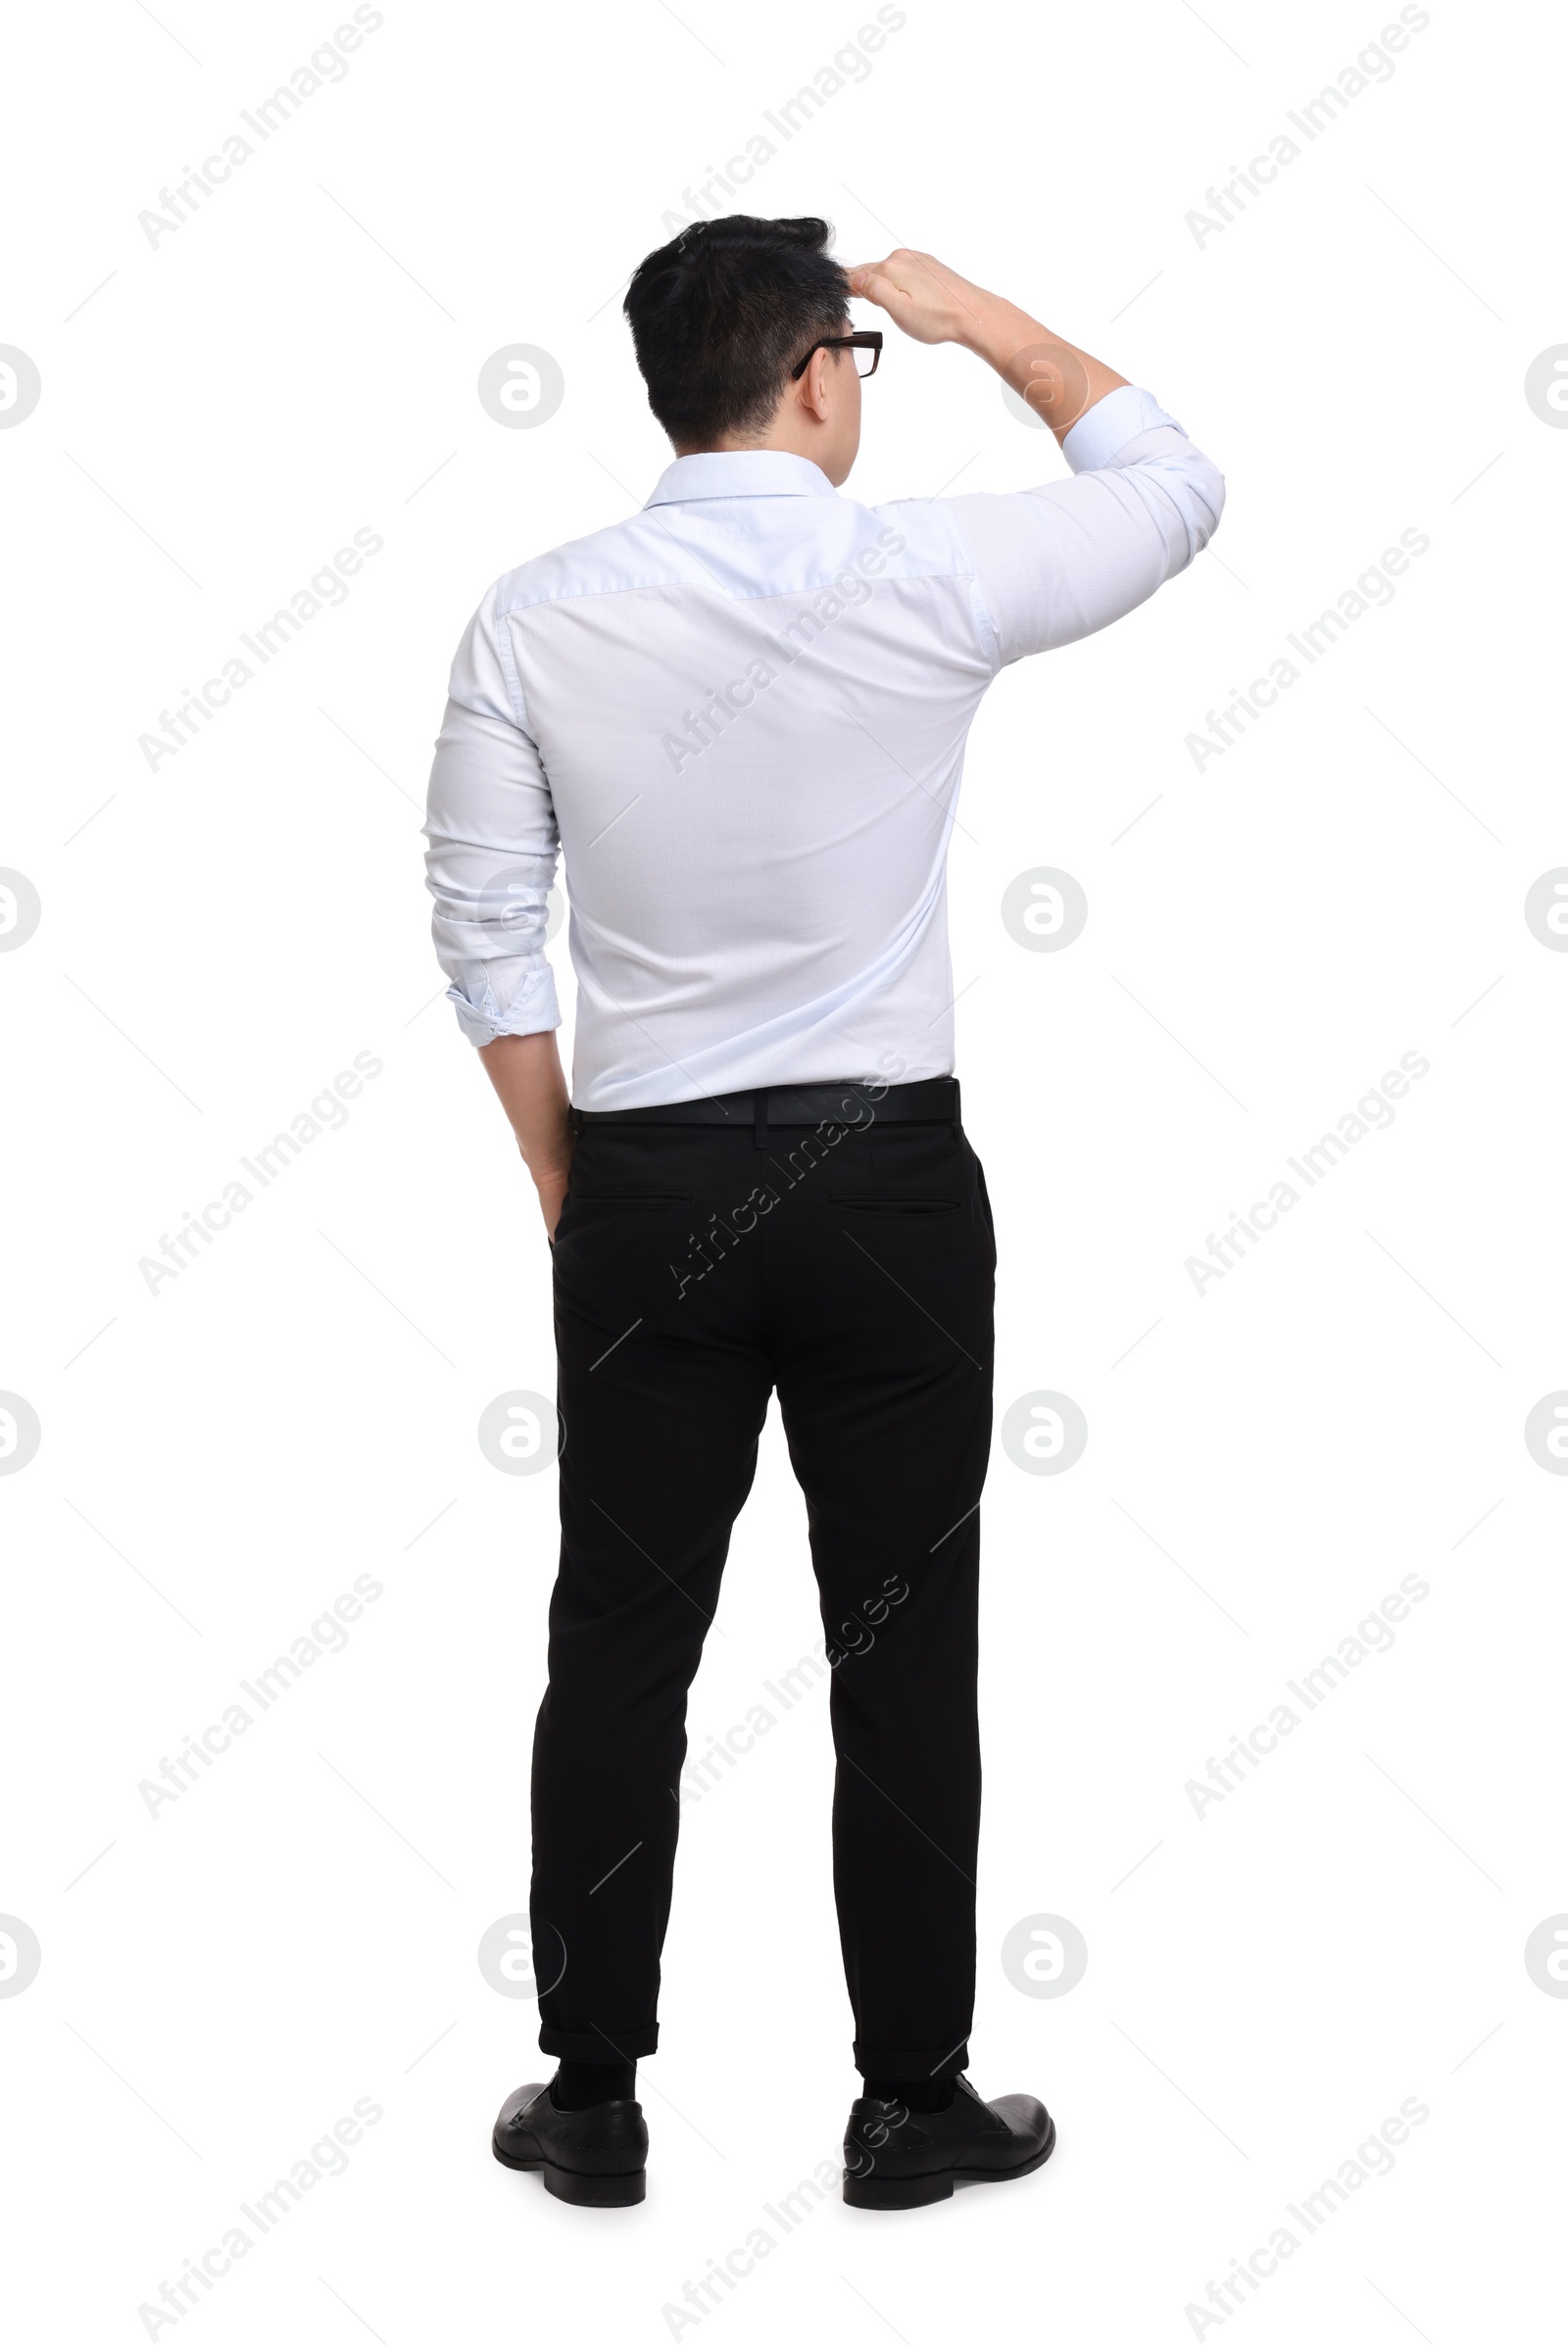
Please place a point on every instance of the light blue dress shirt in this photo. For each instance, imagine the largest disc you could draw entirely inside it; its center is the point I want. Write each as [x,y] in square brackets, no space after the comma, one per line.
[741,715]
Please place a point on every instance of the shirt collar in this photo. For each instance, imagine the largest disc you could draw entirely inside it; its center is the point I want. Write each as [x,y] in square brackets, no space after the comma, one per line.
[740,473]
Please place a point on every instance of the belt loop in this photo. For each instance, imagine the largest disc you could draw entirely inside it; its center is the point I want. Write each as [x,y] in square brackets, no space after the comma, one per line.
[956,1112]
[759,1119]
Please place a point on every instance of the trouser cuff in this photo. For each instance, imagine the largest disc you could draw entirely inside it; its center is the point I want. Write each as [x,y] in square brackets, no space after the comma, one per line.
[910,2061]
[602,2044]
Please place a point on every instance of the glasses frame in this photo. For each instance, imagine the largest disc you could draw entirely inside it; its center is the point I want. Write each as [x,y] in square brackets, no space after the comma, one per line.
[869,339]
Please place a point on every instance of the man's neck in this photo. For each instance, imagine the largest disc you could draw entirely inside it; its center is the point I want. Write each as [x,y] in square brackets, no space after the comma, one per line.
[775,444]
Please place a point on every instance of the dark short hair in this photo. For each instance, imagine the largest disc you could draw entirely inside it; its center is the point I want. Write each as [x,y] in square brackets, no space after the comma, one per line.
[720,315]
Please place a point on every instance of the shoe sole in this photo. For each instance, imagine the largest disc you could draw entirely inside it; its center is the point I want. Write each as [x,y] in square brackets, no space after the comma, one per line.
[924,2190]
[581,2190]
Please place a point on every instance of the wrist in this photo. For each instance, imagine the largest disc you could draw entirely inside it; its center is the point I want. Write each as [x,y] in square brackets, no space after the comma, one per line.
[549,1173]
[1001,331]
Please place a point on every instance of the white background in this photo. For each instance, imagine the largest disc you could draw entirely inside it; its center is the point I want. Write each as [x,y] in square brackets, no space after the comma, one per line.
[1267,1981]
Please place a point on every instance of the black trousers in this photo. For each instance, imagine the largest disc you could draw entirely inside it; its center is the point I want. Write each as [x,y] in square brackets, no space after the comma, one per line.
[851,1267]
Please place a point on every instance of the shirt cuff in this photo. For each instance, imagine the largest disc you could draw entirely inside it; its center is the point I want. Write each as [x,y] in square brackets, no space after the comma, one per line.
[533,1010]
[1096,437]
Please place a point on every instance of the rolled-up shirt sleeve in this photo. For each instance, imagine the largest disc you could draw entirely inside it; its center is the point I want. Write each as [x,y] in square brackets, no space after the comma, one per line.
[493,845]
[1057,562]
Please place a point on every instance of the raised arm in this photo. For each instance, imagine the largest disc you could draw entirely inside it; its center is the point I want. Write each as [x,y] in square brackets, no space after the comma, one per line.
[1056,562]
[932,303]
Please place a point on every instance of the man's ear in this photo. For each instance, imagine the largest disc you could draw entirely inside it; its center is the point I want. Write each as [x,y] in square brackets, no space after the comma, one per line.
[812,388]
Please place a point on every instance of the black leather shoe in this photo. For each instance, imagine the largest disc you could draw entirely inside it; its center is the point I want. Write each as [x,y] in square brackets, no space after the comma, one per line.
[894,2157]
[594,2157]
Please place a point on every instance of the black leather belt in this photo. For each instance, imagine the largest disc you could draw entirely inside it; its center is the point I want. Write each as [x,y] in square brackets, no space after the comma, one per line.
[935,1101]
